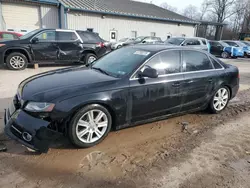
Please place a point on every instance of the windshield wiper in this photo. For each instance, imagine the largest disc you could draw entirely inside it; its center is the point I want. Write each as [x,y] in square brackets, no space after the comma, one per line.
[101,70]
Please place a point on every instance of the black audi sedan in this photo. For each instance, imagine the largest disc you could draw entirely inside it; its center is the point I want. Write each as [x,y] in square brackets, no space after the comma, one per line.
[130,86]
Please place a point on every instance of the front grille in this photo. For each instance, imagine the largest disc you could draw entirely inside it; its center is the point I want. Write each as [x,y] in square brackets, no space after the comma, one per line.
[16,130]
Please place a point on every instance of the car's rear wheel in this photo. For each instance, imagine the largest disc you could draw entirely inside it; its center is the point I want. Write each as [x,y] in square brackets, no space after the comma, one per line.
[225,55]
[90,126]
[90,58]
[220,100]
[16,61]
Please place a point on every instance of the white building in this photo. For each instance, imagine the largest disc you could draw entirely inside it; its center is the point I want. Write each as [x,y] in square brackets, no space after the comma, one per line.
[112,19]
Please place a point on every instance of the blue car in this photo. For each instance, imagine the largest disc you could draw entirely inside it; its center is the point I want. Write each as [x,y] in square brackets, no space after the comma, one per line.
[222,49]
[242,48]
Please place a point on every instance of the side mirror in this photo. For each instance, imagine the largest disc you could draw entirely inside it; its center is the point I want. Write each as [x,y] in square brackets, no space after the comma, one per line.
[144,42]
[149,72]
[184,44]
[35,40]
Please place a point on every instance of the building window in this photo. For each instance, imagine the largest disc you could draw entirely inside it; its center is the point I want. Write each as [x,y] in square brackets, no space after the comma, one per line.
[133,34]
[152,34]
[90,29]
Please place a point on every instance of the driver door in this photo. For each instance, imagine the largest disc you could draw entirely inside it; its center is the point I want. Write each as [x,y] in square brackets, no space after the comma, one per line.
[43,46]
[154,97]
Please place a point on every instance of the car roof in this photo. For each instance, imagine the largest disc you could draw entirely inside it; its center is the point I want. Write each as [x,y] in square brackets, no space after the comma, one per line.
[159,47]
[11,32]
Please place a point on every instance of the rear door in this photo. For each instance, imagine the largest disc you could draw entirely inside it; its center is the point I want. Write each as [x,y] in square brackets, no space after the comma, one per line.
[69,46]
[154,97]
[199,79]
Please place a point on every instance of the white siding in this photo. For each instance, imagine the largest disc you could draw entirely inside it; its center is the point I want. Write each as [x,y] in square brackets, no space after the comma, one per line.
[125,25]
[49,16]
[20,16]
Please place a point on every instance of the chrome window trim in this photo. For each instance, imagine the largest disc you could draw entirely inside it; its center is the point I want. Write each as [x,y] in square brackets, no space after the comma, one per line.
[132,77]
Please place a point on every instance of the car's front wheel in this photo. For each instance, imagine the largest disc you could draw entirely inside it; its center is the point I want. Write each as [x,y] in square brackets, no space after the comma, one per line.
[16,61]
[220,100]
[90,126]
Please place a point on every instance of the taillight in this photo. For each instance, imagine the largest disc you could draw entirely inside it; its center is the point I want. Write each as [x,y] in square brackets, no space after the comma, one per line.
[238,75]
[101,44]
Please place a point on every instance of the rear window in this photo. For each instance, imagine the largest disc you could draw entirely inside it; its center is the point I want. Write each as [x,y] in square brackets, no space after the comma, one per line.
[216,64]
[89,37]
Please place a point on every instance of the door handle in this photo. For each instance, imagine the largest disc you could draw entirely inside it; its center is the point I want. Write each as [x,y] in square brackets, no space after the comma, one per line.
[176,84]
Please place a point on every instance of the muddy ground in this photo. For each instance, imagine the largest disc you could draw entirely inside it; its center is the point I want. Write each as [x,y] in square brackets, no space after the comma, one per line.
[213,152]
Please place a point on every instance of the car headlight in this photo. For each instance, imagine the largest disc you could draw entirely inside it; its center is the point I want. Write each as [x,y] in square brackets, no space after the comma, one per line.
[39,107]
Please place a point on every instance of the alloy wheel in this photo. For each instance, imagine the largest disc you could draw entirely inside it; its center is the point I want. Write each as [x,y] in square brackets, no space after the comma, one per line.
[92,126]
[17,62]
[221,99]
[91,59]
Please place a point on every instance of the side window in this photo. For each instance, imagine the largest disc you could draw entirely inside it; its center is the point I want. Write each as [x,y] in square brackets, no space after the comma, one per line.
[204,42]
[88,37]
[47,36]
[166,62]
[232,44]
[216,64]
[196,61]
[190,42]
[8,36]
[66,36]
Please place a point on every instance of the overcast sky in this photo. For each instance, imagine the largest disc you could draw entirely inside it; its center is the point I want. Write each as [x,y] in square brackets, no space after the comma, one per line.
[179,4]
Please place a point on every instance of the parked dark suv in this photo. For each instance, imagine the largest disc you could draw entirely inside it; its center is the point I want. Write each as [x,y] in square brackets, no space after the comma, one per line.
[52,46]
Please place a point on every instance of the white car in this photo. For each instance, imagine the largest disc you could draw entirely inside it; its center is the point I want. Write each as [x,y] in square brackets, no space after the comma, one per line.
[193,42]
[120,43]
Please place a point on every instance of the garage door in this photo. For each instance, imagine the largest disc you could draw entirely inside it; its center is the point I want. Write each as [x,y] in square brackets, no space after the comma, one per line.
[17,17]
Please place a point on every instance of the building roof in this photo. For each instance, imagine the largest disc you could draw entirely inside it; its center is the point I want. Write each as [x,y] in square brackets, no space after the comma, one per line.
[126,8]
[55,2]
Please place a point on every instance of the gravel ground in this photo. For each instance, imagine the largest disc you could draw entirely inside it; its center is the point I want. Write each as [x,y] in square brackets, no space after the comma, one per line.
[214,152]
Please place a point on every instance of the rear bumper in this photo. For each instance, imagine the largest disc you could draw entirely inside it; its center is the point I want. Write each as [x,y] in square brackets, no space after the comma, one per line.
[20,124]
[235,90]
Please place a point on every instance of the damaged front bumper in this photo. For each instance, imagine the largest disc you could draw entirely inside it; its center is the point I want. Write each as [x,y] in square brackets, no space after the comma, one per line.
[28,130]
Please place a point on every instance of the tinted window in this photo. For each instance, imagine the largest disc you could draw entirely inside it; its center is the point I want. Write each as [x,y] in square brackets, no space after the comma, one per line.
[231,44]
[66,36]
[88,37]
[122,62]
[196,61]
[47,36]
[192,42]
[204,41]
[176,41]
[216,64]
[8,36]
[166,62]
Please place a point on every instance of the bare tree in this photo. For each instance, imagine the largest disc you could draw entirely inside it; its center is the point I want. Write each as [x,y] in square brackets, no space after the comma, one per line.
[204,9]
[169,7]
[191,12]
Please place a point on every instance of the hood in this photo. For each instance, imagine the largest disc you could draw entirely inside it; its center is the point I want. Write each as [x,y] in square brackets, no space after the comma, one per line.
[75,81]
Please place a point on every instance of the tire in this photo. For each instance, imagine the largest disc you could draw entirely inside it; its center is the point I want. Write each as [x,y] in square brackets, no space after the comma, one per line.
[21,61]
[225,55]
[87,59]
[118,47]
[84,133]
[221,101]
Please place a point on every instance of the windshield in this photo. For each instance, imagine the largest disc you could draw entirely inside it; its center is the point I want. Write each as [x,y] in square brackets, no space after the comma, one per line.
[123,40]
[121,62]
[175,41]
[224,44]
[139,39]
[29,34]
